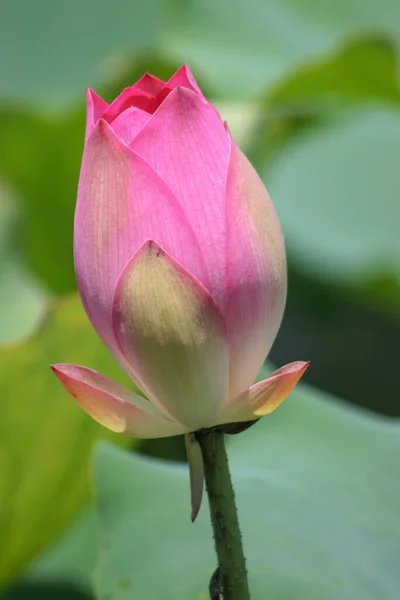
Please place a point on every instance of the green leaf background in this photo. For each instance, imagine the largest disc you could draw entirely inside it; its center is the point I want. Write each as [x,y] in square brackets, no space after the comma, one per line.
[45,440]
[308,506]
[311,92]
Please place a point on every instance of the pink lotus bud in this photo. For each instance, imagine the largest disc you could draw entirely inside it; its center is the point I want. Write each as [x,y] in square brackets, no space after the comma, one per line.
[180,263]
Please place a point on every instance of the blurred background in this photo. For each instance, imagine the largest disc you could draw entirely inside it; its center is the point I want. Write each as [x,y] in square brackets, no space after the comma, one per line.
[311,93]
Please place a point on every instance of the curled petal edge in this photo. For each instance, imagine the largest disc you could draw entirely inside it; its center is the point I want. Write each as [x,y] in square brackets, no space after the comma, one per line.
[263,397]
[112,405]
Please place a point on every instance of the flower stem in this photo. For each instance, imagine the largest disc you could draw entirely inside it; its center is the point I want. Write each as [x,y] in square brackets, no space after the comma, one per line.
[221,497]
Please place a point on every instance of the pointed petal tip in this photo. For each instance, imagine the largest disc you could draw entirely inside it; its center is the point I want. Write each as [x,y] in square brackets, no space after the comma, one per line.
[182,93]
[60,369]
[93,98]
[149,250]
[271,392]
[103,127]
[184,96]
[103,132]
[95,108]
[190,96]
[266,395]
[195,511]
[187,71]
[194,514]
[148,83]
[112,405]
[55,369]
[95,104]
[298,366]
[184,76]
[90,94]
[152,247]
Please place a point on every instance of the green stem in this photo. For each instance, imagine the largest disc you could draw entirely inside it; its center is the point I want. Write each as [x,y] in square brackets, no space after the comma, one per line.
[227,537]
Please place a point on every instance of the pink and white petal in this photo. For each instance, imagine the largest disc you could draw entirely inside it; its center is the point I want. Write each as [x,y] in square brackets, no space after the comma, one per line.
[171,332]
[121,203]
[196,472]
[95,108]
[128,123]
[149,84]
[263,397]
[185,141]
[256,272]
[113,405]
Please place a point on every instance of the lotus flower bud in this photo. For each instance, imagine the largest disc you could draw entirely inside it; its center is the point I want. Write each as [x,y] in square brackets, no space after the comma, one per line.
[180,263]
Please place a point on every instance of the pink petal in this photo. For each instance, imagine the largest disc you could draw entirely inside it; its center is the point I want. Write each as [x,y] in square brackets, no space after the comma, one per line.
[128,123]
[129,98]
[196,472]
[95,108]
[256,272]
[184,77]
[121,203]
[149,84]
[181,78]
[171,332]
[186,143]
[113,405]
[263,397]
